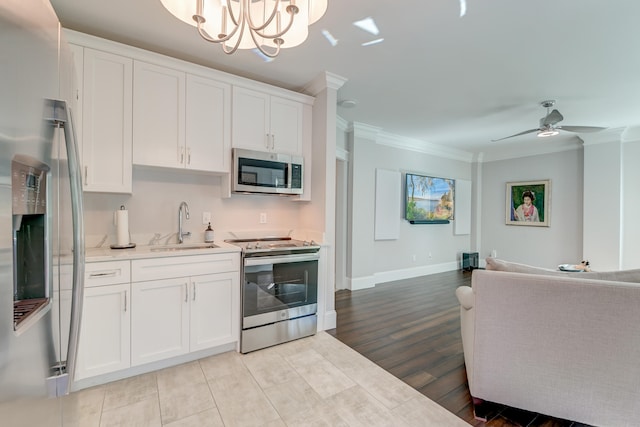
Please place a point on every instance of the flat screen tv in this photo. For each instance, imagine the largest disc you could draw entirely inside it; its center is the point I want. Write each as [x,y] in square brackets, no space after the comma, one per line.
[428,199]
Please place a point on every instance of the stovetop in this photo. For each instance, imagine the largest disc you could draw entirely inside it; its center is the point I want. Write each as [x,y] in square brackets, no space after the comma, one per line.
[274,244]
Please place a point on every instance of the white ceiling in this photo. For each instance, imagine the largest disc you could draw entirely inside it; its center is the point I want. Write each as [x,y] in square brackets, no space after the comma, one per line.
[437,77]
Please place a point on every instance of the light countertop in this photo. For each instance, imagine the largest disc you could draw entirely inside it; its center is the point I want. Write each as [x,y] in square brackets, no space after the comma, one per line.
[157,251]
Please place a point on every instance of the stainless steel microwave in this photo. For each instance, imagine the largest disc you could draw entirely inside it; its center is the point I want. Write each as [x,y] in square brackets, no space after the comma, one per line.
[266,172]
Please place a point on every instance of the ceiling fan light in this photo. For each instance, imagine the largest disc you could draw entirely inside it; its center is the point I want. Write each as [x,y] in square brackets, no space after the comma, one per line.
[547,133]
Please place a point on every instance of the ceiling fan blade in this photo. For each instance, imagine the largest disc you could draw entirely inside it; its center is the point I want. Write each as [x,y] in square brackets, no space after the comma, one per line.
[517,134]
[551,119]
[580,129]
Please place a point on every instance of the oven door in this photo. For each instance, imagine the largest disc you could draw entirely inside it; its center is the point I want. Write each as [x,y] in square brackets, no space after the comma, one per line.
[279,288]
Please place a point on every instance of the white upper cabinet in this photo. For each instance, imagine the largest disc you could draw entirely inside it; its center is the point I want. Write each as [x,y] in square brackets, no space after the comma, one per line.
[265,122]
[158,116]
[105,132]
[208,118]
[180,120]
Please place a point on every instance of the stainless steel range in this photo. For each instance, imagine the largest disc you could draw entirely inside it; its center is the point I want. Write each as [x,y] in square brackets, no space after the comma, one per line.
[279,291]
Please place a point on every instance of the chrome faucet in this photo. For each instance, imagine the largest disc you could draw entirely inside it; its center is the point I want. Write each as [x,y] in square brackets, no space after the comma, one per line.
[181,234]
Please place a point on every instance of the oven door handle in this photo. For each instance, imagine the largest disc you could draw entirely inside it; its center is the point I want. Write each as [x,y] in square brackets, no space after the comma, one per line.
[266,260]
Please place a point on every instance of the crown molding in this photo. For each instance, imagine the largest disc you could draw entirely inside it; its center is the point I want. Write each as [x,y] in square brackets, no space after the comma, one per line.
[322,81]
[373,133]
[342,124]
[603,137]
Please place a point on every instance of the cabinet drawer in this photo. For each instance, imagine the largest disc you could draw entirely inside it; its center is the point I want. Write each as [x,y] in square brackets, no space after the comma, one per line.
[183,266]
[107,273]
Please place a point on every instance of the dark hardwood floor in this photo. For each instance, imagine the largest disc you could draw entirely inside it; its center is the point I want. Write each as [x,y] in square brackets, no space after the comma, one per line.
[411,328]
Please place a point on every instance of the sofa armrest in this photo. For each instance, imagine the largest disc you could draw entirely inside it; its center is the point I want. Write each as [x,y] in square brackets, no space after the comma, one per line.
[467,297]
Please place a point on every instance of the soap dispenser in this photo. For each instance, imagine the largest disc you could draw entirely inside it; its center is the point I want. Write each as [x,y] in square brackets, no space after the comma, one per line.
[208,234]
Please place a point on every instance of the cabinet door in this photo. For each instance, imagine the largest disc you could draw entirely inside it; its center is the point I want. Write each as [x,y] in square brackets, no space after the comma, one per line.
[208,133]
[105,331]
[286,125]
[250,120]
[106,122]
[158,116]
[159,320]
[214,310]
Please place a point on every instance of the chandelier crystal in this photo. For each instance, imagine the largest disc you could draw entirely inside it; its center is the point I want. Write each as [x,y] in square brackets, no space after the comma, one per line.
[267,25]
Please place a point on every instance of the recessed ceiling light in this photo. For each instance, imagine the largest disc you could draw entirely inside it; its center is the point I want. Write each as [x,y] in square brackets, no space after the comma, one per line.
[368,25]
[327,35]
[463,8]
[347,103]
[372,42]
[264,57]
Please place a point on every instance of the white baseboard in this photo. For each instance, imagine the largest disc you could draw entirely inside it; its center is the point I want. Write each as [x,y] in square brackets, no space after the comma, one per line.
[362,283]
[330,320]
[408,273]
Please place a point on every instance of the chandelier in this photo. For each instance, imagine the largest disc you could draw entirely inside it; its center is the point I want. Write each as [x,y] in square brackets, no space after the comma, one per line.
[267,25]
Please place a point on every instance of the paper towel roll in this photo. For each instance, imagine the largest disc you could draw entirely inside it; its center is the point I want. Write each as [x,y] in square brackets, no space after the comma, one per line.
[122,227]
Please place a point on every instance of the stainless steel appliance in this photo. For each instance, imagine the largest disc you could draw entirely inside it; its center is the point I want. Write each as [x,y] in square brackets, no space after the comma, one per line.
[266,172]
[41,229]
[279,291]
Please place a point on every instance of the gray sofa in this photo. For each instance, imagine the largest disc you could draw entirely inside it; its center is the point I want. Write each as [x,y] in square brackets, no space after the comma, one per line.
[561,344]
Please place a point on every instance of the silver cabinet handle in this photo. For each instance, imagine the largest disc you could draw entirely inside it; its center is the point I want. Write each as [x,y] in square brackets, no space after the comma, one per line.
[267,141]
[125,301]
[181,154]
[273,141]
[86,175]
[194,291]
[186,292]
[103,274]
[189,155]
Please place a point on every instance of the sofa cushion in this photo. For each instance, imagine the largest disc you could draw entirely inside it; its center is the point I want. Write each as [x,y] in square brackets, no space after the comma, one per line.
[631,276]
[514,267]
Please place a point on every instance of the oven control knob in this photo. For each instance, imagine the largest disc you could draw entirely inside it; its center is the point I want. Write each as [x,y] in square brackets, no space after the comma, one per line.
[313,243]
[257,245]
[305,243]
[249,246]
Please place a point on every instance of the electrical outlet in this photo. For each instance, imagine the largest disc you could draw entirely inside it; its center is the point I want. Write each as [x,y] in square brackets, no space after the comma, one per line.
[263,218]
[206,218]
[430,255]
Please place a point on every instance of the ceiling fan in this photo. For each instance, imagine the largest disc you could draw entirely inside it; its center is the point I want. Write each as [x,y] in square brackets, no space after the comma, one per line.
[549,124]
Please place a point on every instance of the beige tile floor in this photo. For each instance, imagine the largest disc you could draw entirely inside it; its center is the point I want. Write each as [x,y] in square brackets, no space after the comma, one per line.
[315,381]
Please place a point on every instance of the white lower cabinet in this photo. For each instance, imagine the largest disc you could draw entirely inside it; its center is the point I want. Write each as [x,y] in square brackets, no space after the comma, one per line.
[213,317]
[147,310]
[178,315]
[105,331]
[160,324]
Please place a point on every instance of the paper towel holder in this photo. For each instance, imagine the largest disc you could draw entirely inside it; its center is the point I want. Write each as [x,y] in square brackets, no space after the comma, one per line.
[125,246]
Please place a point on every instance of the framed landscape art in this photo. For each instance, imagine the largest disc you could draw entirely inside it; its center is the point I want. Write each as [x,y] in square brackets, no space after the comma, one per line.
[527,203]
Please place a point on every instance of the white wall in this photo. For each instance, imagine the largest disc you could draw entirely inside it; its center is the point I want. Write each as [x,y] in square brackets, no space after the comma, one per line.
[157,193]
[631,205]
[559,243]
[380,261]
[602,203]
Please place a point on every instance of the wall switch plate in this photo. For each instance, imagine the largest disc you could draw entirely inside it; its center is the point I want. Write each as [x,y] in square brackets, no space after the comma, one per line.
[263,218]
[206,218]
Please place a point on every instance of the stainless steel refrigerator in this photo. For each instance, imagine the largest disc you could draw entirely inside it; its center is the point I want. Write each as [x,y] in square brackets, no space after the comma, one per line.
[41,228]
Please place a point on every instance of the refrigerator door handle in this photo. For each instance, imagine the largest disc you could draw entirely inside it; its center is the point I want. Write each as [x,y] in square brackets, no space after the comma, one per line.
[75,180]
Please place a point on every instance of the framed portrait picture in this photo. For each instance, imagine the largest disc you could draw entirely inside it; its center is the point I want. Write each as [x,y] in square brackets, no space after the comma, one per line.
[528,203]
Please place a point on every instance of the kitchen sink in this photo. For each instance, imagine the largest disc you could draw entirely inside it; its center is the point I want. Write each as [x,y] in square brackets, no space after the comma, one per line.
[183,247]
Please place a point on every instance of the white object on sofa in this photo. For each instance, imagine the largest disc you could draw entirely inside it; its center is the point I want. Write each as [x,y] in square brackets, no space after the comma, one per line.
[564,346]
